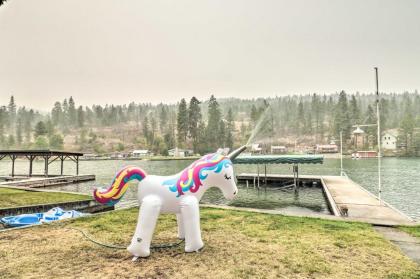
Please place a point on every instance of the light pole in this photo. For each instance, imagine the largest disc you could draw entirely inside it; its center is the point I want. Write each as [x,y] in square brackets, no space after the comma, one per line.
[379,135]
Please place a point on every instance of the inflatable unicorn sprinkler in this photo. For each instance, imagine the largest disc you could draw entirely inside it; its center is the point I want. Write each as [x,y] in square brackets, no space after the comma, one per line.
[179,194]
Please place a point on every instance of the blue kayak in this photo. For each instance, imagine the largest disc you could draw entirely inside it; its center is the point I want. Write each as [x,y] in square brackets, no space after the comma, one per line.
[53,214]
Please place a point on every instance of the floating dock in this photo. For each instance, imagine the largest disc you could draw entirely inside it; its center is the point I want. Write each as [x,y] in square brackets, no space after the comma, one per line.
[36,182]
[346,198]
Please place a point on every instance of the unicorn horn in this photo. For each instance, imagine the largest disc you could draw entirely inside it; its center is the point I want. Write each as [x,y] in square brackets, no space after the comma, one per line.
[235,153]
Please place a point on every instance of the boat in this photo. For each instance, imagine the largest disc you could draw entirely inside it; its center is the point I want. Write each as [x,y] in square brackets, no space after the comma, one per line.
[364,154]
[51,215]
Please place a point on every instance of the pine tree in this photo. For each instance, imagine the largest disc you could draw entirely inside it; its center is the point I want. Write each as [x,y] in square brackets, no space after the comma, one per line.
[222,133]
[146,130]
[19,138]
[56,142]
[213,136]
[300,119]
[3,119]
[66,120]
[407,129]
[12,113]
[57,114]
[354,111]
[370,120]
[153,128]
[194,119]
[254,114]
[80,117]
[163,119]
[230,129]
[182,123]
[341,117]
[72,112]
[27,125]
[40,129]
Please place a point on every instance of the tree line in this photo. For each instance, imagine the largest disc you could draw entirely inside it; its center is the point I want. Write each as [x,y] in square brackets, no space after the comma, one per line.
[204,126]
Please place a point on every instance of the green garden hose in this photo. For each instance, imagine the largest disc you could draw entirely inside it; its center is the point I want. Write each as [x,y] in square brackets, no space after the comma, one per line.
[157,246]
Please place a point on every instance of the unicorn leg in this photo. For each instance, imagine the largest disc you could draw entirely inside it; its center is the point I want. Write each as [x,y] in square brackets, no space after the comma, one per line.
[181,230]
[191,219]
[148,215]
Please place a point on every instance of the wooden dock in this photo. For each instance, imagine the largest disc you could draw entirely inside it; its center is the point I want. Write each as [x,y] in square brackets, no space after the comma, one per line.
[342,193]
[35,182]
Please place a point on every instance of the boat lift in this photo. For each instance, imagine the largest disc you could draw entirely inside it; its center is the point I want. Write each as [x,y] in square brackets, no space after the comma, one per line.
[294,160]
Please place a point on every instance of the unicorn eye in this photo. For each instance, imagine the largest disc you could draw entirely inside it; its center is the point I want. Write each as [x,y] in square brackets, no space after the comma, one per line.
[227,177]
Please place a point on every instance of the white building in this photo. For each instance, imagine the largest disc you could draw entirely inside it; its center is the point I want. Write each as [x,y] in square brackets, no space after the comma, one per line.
[256,148]
[178,152]
[389,141]
[278,149]
[326,148]
[140,153]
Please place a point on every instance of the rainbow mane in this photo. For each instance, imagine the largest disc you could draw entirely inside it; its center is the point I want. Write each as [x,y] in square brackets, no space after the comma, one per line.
[191,177]
[119,185]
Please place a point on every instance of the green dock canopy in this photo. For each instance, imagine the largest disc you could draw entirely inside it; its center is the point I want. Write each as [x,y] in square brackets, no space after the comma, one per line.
[279,159]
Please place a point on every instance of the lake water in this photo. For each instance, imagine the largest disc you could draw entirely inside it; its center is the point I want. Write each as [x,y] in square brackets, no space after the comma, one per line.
[400,181]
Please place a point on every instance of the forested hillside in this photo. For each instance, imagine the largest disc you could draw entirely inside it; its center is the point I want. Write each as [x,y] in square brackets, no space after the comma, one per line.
[205,125]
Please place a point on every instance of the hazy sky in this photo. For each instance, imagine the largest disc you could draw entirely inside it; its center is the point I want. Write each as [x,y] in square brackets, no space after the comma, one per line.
[103,51]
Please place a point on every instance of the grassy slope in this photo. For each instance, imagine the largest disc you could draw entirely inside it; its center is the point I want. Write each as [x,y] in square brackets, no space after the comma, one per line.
[238,244]
[414,231]
[14,198]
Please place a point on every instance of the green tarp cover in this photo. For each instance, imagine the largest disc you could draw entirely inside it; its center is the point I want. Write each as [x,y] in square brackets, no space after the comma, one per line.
[279,159]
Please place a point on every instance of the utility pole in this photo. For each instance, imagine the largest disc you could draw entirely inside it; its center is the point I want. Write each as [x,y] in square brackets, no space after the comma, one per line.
[379,136]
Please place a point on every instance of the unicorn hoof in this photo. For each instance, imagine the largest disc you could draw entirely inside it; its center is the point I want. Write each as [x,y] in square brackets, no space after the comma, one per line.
[138,252]
[196,248]
[134,259]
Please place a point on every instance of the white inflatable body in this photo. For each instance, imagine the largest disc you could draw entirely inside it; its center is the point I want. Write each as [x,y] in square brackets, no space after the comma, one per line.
[179,194]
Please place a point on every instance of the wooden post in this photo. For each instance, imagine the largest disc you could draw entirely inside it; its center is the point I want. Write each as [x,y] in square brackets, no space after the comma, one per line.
[62,164]
[296,177]
[46,158]
[258,174]
[31,159]
[265,177]
[77,165]
[13,157]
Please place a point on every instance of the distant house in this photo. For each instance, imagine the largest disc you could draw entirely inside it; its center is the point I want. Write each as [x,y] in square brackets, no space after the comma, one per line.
[89,156]
[389,140]
[278,149]
[116,155]
[140,153]
[256,148]
[178,152]
[326,148]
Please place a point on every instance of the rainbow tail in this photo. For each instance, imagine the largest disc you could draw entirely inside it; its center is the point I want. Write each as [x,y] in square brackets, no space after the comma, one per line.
[119,186]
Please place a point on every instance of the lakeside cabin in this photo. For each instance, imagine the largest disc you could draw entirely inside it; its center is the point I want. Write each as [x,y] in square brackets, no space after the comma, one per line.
[140,153]
[178,152]
[278,149]
[326,148]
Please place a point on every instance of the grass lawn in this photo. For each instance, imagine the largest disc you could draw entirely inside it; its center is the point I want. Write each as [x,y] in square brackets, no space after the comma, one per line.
[414,231]
[15,197]
[237,245]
